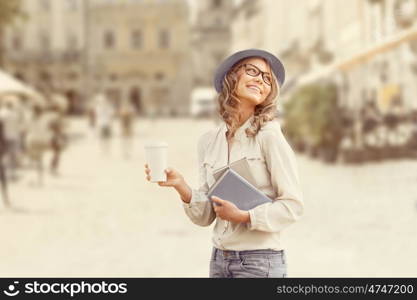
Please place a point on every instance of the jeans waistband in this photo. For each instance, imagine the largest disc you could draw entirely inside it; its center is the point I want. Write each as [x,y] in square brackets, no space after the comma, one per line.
[231,254]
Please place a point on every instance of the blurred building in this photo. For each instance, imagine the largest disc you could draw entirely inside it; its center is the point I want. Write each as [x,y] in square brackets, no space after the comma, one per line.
[46,47]
[367,47]
[140,50]
[133,50]
[211,38]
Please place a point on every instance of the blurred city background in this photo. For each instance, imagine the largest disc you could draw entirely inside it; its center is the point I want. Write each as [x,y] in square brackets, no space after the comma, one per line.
[85,83]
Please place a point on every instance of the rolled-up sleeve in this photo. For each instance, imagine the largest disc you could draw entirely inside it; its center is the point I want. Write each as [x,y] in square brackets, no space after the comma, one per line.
[200,210]
[288,206]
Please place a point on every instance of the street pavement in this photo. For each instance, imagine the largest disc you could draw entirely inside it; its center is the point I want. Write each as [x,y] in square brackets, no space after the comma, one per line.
[101,218]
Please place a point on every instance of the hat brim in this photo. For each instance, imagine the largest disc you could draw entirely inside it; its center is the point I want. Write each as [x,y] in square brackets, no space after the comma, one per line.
[276,65]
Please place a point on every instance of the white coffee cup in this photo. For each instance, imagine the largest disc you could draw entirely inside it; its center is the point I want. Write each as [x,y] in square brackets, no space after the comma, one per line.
[156,157]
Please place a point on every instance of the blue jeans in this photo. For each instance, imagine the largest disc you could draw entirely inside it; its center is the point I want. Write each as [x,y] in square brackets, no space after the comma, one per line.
[248,264]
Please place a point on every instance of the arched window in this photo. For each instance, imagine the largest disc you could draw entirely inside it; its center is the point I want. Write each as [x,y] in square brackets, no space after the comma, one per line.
[44,40]
[136,39]
[44,5]
[72,41]
[164,39]
[71,5]
[217,3]
[17,42]
[159,76]
[109,39]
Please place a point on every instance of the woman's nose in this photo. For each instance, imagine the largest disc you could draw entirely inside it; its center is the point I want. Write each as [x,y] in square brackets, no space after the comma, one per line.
[259,78]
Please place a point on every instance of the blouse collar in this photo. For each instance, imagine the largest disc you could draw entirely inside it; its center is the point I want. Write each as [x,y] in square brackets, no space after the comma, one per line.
[241,130]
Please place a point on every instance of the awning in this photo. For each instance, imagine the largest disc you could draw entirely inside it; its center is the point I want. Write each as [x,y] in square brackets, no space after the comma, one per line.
[359,58]
[387,45]
[10,85]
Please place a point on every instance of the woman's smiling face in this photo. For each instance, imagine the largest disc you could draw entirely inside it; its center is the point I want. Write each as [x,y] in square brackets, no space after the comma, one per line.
[252,90]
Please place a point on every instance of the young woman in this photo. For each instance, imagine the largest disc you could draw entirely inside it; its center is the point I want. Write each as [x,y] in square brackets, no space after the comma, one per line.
[245,243]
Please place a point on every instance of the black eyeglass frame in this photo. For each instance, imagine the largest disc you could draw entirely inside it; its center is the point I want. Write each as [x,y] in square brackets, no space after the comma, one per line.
[258,72]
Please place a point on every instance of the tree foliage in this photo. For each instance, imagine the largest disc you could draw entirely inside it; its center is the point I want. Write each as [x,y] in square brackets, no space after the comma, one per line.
[313,116]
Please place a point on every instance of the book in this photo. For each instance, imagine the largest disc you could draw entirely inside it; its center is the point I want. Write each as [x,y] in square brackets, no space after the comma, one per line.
[236,189]
[240,166]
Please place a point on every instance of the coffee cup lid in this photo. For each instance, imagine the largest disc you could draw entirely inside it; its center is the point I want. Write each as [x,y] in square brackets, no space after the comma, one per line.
[156,144]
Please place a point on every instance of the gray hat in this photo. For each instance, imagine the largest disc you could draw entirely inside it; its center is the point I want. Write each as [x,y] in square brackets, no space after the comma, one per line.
[276,65]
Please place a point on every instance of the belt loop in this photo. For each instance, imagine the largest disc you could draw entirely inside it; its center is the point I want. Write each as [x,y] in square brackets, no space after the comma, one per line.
[214,253]
[240,255]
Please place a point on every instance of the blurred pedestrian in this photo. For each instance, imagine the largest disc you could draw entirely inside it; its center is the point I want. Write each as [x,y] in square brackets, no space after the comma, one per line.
[10,117]
[3,178]
[394,120]
[57,125]
[38,140]
[127,118]
[91,115]
[24,115]
[371,120]
[104,113]
[245,243]
[346,147]
[412,140]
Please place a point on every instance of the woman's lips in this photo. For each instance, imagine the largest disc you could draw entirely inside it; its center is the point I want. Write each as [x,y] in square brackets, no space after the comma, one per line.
[254,88]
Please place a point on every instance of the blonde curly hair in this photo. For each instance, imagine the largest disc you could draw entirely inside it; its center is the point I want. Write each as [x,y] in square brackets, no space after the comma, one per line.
[228,103]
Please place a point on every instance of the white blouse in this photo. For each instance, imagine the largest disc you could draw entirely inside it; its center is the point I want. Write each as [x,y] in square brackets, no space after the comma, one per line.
[273,165]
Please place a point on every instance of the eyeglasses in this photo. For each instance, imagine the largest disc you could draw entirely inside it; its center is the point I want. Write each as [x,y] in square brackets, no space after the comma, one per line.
[254,71]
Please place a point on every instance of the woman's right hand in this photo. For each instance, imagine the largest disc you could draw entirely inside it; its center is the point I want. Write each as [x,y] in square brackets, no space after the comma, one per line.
[174,178]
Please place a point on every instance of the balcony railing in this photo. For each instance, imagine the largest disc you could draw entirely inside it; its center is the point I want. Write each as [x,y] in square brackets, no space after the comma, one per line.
[46,57]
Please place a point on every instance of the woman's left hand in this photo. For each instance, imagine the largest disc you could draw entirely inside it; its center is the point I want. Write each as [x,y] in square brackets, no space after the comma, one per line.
[226,210]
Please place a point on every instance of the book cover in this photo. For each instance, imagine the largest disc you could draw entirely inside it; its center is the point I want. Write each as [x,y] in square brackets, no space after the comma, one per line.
[241,167]
[234,188]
